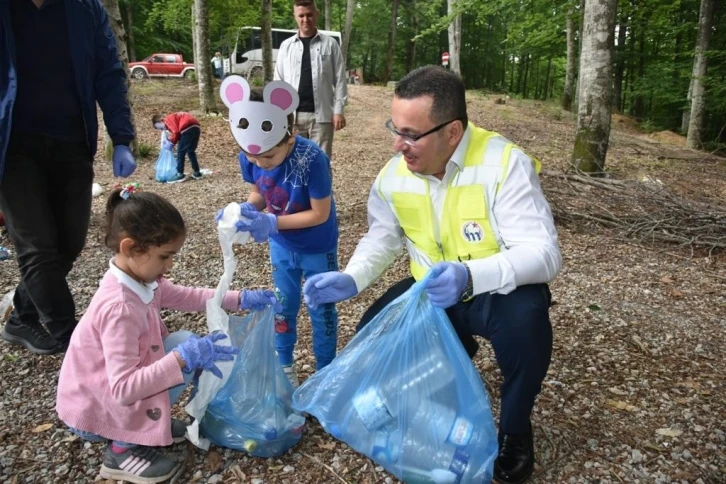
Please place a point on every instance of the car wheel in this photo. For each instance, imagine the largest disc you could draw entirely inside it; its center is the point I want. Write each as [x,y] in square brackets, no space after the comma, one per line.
[138,73]
[188,73]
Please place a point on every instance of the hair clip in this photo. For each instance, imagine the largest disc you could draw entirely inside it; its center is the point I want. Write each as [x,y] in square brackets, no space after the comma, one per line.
[128,190]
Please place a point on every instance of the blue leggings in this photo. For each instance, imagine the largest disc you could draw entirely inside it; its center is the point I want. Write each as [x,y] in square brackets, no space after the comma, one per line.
[171,341]
[288,269]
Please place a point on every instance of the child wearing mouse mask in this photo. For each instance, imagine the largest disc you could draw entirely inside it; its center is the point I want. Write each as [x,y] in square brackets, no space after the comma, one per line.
[291,205]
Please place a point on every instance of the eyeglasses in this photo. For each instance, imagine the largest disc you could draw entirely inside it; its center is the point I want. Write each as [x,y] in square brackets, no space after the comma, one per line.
[411,139]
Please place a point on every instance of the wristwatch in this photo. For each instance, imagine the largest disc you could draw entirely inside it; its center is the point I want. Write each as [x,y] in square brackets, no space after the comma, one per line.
[468,293]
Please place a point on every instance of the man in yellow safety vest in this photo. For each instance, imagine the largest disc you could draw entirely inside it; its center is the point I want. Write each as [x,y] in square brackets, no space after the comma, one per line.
[467,205]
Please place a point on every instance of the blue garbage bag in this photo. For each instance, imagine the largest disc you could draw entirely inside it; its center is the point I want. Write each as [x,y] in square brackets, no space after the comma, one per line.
[404,393]
[165,163]
[253,412]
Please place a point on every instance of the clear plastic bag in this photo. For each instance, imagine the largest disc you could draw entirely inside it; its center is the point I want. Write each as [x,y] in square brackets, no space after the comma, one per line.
[166,163]
[252,412]
[404,393]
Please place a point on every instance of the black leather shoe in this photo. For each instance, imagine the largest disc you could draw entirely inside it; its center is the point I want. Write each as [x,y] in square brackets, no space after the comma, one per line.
[515,462]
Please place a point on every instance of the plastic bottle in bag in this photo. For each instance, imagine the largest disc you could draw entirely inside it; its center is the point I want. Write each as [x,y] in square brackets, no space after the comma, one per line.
[417,458]
[425,376]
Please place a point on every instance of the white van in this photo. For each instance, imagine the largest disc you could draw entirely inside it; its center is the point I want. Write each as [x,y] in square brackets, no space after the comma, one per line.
[246,58]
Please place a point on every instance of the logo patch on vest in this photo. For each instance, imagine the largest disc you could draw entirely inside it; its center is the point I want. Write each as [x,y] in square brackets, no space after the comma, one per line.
[472,232]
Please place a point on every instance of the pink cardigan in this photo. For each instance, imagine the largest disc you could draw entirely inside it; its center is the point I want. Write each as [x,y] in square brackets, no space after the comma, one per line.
[115,376]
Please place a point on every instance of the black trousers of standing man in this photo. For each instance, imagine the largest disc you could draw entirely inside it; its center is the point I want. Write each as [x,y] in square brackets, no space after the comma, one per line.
[517,325]
[45,194]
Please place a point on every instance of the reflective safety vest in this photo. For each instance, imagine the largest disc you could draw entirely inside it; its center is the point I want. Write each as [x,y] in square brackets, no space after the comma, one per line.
[468,228]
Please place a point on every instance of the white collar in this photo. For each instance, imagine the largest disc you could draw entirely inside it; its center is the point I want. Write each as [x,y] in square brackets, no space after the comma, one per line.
[144,291]
[459,155]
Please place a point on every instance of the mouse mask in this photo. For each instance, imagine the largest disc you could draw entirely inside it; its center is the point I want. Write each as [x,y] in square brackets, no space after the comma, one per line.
[258,126]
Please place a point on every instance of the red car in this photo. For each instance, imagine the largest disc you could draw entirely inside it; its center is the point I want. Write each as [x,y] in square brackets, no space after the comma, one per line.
[161,65]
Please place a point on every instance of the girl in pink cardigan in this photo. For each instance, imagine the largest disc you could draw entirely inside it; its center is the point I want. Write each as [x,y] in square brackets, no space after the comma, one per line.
[123,370]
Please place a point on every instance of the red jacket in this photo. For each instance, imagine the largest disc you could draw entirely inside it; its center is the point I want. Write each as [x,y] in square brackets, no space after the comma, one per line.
[178,122]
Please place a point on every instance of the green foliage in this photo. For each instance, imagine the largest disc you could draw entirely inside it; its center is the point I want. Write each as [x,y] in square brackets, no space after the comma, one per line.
[507,46]
[146,150]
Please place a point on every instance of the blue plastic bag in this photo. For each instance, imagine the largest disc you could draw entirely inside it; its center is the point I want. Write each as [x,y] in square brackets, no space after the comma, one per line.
[405,393]
[165,163]
[252,412]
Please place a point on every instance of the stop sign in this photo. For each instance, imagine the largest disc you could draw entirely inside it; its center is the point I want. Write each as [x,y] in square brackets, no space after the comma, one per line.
[445,58]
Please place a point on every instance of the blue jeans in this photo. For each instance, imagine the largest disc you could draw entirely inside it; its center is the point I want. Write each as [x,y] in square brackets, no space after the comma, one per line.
[188,147]
[288,269]
[170,342]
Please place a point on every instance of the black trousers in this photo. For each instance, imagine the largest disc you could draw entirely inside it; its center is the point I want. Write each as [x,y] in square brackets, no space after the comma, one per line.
[188,142]
[517,325]
[45,194]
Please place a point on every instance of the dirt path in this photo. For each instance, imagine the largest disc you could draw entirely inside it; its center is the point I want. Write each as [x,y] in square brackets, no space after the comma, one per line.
[635,390]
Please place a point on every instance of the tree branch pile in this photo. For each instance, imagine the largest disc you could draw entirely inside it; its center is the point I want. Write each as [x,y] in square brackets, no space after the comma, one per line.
[641,210]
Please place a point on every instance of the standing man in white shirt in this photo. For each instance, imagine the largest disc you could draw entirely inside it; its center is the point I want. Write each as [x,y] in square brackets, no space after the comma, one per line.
[468,205]
[313,63]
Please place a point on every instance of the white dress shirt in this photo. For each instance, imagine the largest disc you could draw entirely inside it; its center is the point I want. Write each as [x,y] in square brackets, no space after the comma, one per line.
[530,253]
[330,88]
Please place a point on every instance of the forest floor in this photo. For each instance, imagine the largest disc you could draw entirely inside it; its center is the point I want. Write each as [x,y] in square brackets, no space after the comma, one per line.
[635,391]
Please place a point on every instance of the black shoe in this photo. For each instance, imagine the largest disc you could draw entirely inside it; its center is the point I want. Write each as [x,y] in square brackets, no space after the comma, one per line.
[34,337]
[515,462]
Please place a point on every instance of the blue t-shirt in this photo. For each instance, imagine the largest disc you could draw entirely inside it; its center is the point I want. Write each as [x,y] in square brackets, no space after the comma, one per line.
[288,188]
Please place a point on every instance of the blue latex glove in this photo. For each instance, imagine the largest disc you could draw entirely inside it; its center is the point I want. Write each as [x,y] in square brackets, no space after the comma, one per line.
[123,161]
[260,225]
[447,282]
[243,206]
[167,145]
[328,287]
[259,299]
[203,353]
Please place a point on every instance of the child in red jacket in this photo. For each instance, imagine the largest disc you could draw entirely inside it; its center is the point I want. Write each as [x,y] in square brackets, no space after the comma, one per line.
[182,128]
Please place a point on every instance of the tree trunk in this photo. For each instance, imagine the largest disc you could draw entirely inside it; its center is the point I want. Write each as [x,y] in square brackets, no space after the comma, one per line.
[117,26]
[131,44]
[579,52]
[195,50]
[527,65]
[595,103]
[328,14]
[204,64]
[349,8]
[620,64]
[391,41]
[546,90]
[454,38]
[267,38]
[639,106]
[700,65]
[570,72]
[411,45]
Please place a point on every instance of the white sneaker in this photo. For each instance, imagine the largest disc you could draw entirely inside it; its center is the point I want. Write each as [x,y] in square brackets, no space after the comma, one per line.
[291,375]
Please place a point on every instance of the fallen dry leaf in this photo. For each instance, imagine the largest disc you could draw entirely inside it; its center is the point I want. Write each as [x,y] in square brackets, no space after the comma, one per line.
[667,280]
[42,428]
[669,432]
[214,461]
[620,405]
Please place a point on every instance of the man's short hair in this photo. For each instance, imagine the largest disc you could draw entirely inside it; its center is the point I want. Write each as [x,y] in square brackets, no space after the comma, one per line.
[445,87]
[304,3]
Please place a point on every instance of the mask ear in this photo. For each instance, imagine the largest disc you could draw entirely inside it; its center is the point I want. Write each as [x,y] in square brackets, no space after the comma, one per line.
[234,89]
[282,95]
